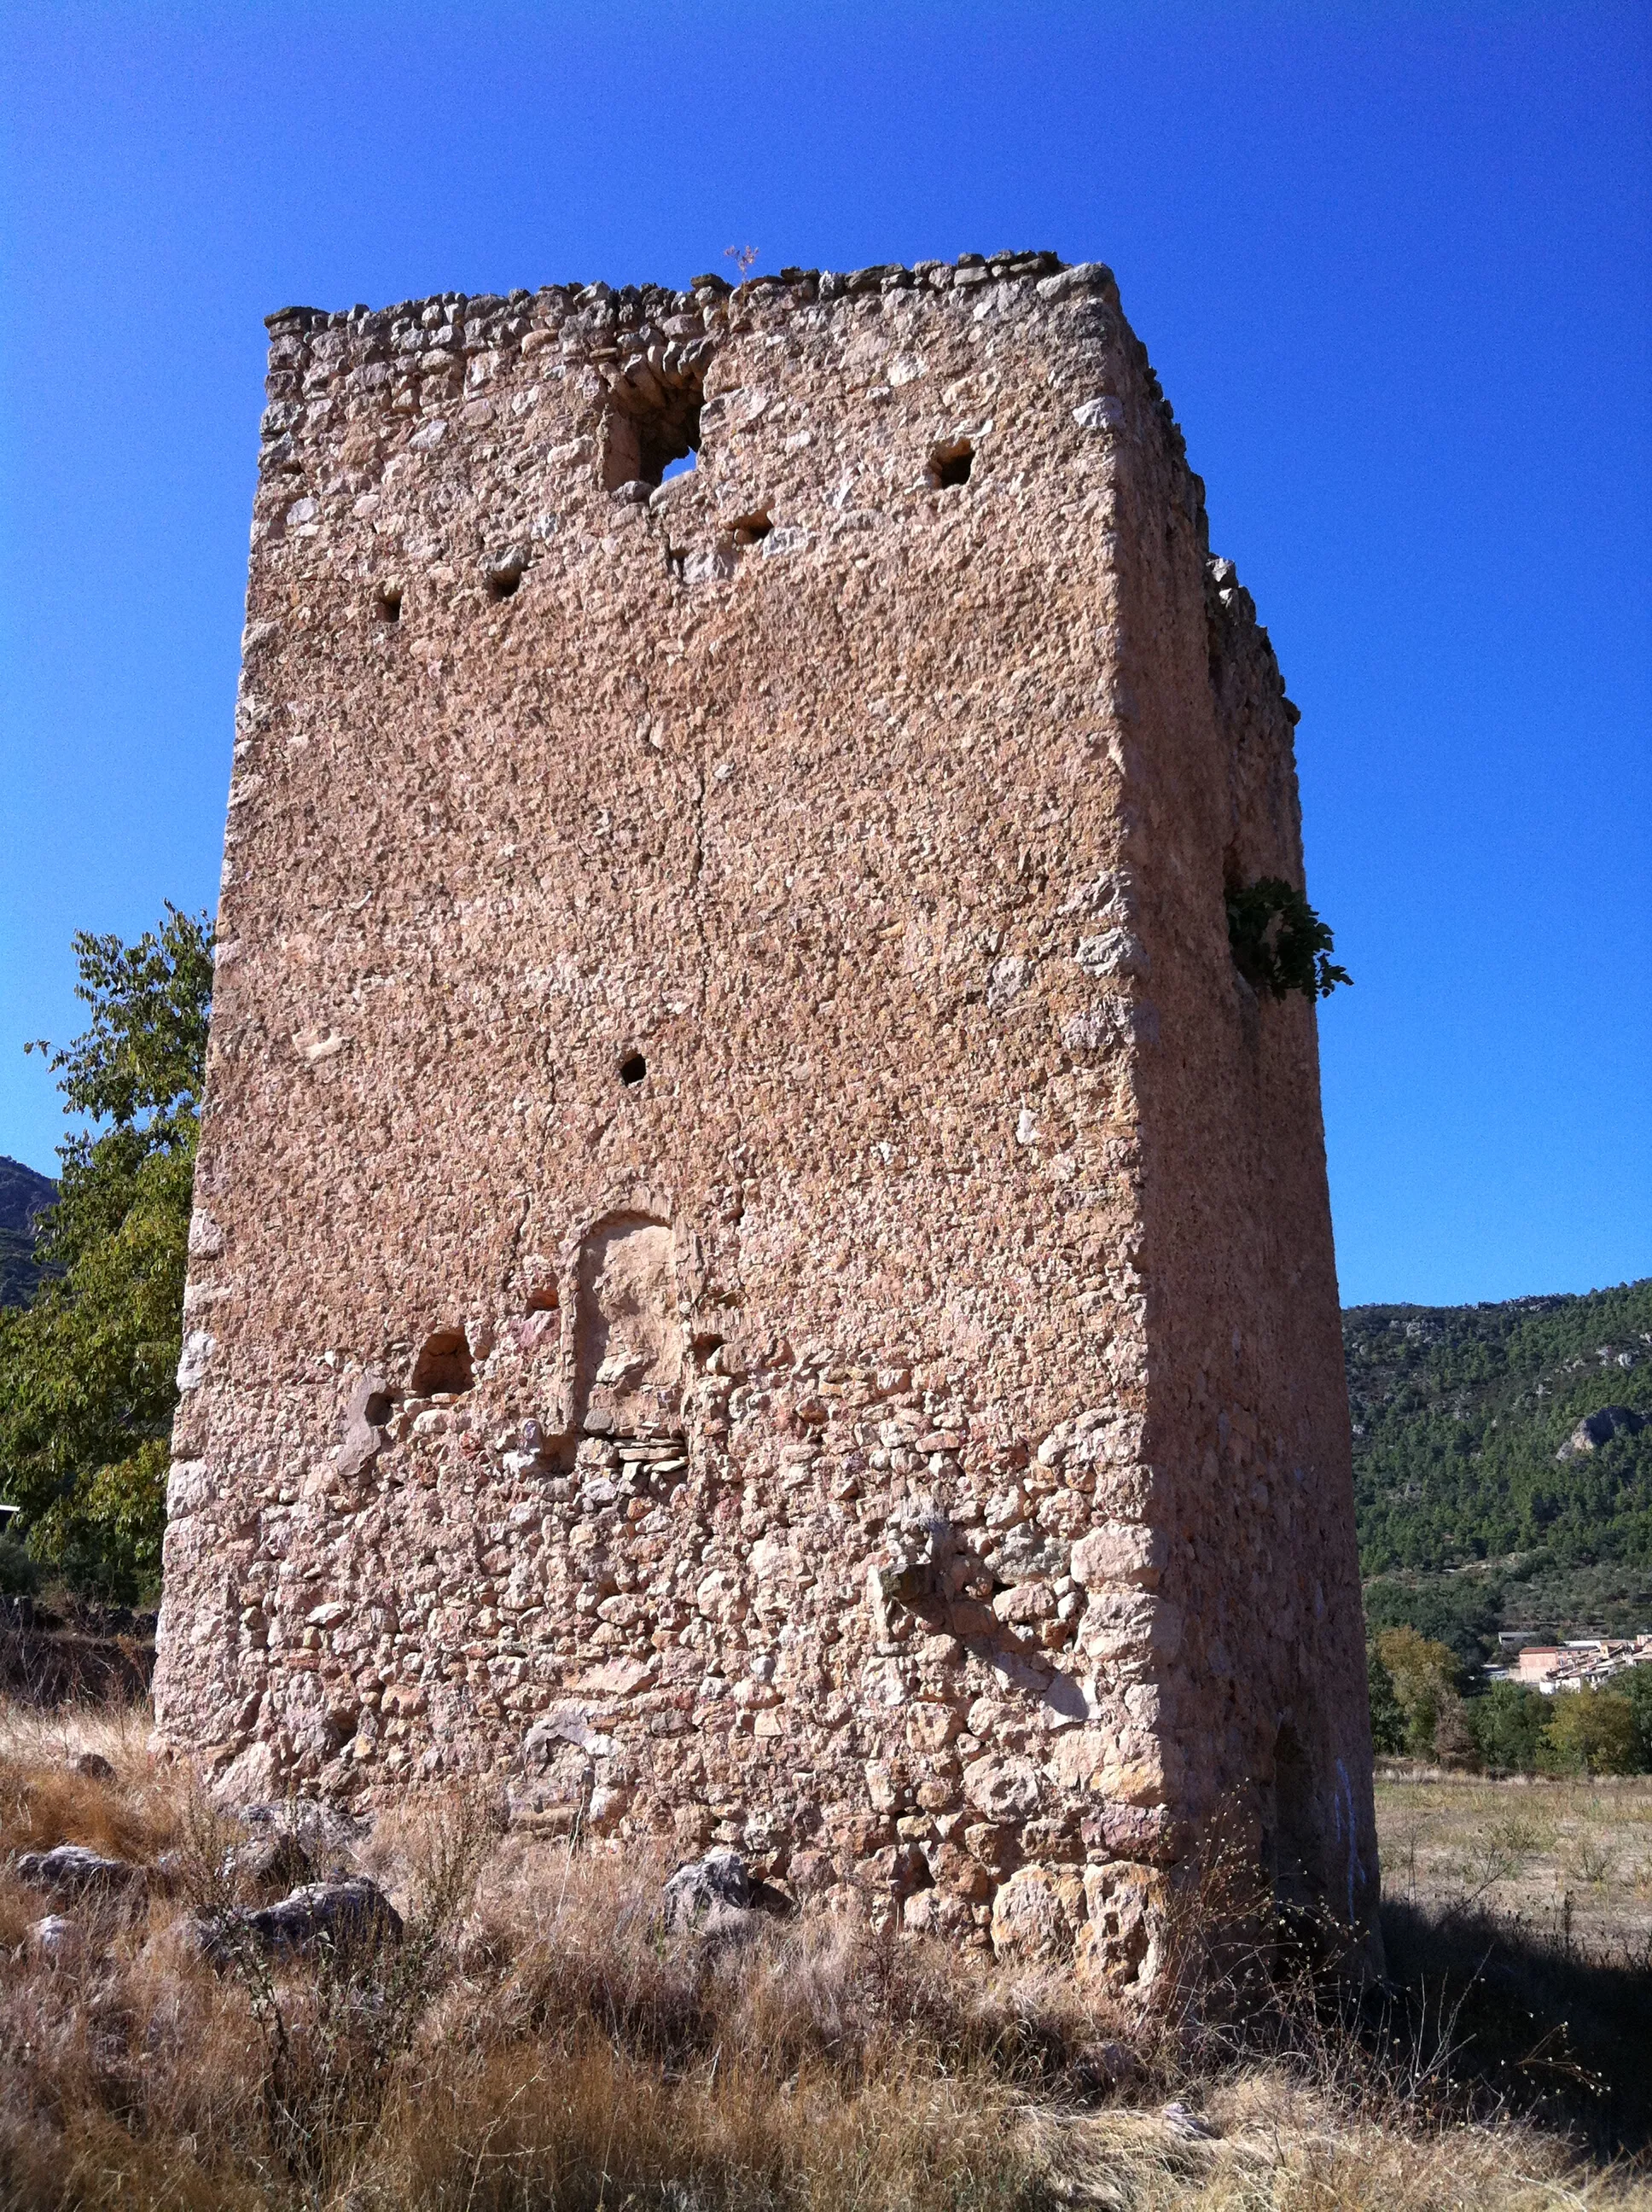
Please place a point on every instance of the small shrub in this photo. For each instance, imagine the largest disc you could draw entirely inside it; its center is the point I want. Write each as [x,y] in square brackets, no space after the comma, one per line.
[19,1576]
[1279,943]
[1519,1833]
[1590,1860]
[1487,1861]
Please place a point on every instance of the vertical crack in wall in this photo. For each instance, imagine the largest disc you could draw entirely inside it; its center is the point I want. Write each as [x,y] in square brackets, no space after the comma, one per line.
[697,883]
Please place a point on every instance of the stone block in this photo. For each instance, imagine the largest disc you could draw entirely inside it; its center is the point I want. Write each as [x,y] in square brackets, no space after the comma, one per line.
[1038,1913]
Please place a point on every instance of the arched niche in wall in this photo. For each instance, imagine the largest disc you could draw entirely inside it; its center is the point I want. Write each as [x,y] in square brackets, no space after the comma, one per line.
[629,1345]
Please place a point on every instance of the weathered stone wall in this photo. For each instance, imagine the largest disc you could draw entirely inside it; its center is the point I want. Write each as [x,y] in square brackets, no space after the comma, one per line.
[756,1262]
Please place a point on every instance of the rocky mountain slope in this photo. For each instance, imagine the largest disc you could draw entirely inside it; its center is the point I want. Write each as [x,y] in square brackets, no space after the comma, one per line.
[1502,1463]
[23,1195]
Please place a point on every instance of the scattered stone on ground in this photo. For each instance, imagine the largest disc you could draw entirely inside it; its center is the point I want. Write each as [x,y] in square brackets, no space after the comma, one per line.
[272,1860]
[316,1827]
[72,1870]
[707,1890]
[339,1913]
[718,1892]
[95,1767]
[57,1940]
[1186,2124]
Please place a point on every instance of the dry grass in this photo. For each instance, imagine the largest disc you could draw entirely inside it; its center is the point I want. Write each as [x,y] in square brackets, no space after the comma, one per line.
[537,2041]
[1572,1858]
[43,1800]
[1528,1901]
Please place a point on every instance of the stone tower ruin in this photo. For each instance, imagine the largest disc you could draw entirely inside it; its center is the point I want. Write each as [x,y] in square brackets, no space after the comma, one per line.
[758,1270]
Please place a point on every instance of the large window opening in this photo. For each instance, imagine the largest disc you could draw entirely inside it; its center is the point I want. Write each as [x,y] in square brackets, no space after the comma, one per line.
[653,425]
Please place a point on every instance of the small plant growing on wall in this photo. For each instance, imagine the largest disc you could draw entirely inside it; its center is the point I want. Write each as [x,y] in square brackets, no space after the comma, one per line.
[1279,943]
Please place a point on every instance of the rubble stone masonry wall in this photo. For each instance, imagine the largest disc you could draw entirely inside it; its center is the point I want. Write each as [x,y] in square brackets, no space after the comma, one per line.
[756,1267]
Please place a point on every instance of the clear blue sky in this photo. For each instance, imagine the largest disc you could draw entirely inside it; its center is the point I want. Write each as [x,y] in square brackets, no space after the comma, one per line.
[1391,263]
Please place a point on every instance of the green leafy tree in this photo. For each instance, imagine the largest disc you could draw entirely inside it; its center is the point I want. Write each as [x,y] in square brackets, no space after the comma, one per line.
[1637,1686]
[1388,1730]
[1591,1731]
[87,1371]
[1425,1681]
[19,1576]
[1507,1725]
[1454,1740]
[1463,1617]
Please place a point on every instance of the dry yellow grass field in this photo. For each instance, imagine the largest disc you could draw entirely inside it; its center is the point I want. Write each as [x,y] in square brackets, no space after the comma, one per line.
[537,2039]
[1568,1858]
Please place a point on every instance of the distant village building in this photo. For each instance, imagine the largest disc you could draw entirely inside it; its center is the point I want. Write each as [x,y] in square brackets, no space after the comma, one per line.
[1590,1660]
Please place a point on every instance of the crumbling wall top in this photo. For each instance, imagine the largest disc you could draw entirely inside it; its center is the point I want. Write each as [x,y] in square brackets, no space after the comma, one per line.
[492,315]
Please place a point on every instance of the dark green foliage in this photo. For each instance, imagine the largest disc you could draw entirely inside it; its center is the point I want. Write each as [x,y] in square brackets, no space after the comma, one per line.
[20,1274]
[19,1576]
[1279,943]
[1590,1731]
[1637,1686]
[1507,1726]
[141,1062]
[1461,1615]
[1467,1518]
[1514,1729]
[1563,1597]
[86,1370]
[1388,1715]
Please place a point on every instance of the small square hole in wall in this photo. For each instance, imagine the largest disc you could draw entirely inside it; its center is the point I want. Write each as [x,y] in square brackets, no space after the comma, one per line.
[443,1363]
[752,529]
[388,605]
[504,583]
[950,464]
[633,1069]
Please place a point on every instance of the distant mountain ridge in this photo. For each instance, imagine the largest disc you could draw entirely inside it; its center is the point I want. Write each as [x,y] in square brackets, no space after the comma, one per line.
[23,1193]
[1502,1463]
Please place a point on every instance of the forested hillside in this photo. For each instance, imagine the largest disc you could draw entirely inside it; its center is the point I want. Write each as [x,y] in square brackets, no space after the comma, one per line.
[23,1195]
[1482,1501]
